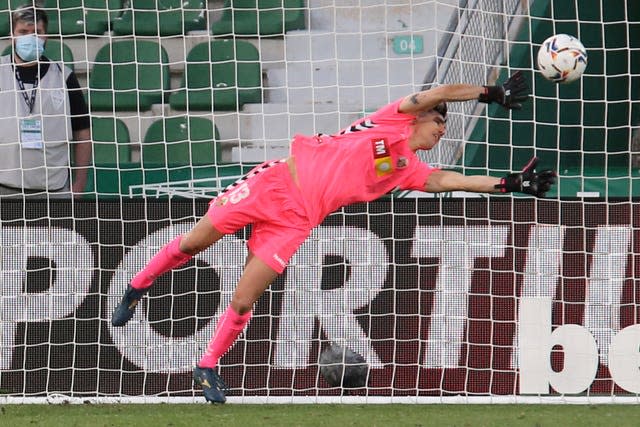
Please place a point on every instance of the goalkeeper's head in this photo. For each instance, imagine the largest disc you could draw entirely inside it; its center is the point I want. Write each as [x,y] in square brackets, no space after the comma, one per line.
[442,109]
[428,127]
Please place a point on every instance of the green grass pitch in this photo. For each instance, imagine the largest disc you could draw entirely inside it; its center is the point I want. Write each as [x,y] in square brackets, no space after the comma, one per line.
[157,415]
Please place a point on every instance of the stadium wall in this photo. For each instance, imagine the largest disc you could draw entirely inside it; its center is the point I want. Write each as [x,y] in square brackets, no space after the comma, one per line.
[428,290]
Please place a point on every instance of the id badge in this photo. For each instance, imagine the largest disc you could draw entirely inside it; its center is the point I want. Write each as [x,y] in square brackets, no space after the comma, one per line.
[31,133]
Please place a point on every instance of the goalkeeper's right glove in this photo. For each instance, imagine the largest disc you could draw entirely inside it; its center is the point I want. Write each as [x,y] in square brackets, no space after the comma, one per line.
[510,94]
[528,181]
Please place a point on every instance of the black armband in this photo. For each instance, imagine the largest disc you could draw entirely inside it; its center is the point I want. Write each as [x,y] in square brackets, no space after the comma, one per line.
[492,94]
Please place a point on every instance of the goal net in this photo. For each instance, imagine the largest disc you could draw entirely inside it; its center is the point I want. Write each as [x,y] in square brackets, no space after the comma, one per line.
[457,298]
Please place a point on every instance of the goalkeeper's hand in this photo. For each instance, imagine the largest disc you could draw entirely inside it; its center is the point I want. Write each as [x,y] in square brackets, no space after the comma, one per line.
[528,181]
[510,94]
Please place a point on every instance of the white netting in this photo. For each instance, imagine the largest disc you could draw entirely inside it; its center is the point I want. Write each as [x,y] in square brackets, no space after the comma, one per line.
[458,301]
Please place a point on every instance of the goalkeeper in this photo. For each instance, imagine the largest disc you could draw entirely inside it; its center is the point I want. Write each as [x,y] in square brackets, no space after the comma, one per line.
[285,199]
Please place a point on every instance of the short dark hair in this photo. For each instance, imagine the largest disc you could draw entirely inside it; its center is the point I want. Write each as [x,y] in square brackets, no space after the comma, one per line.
[442,109]
[30,14]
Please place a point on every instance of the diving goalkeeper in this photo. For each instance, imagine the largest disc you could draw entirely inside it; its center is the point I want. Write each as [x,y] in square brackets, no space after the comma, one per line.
[285,199]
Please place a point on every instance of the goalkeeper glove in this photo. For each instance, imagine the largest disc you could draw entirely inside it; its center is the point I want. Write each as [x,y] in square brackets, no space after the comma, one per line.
[528,181]
[510,94]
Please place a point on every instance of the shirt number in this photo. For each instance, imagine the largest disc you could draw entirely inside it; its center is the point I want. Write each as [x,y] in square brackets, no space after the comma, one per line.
[242,192]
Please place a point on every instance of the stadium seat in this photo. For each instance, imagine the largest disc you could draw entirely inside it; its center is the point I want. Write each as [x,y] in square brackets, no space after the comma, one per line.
[111,142]
[109,183]
[55,50]
[219,75]
[129,75]
[161,18]
[5,19]
[6,6]
[81,17]
[181,141]
[263,17]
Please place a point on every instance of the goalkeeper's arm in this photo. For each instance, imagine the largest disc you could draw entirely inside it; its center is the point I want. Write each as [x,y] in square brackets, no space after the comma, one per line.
[527,181]
[510,95]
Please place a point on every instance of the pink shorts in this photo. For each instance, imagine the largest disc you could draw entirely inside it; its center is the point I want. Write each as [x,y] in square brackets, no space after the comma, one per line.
[268,199]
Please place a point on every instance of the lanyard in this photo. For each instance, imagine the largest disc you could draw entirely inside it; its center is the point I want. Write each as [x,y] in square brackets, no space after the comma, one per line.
[30,100]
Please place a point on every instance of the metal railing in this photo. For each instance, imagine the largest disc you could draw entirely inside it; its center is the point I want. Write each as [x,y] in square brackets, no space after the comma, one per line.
[471,50]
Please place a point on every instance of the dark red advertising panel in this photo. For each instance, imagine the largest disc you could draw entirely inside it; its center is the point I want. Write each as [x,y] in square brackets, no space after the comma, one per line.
[442,297]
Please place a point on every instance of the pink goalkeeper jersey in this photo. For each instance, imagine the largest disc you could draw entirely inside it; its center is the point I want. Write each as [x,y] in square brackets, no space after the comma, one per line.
[362,163]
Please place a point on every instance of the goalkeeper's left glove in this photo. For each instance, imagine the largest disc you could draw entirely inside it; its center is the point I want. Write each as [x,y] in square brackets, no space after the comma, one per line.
[528,181]
[510,94]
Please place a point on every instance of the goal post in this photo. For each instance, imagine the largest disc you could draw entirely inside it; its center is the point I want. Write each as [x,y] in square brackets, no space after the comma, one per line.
[452,298]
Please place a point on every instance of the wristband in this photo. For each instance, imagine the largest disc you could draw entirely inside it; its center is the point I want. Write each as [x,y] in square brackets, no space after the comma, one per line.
[510,183]
[502,186]
[491,94]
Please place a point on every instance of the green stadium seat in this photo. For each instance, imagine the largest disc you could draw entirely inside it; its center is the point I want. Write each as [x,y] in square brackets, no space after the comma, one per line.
[260,17]
[111,142]
[5,19]
[110,183]
[6,6]
[55,50]
[219,75]
[81,17]
[181,141]
[129,75]
[161,18]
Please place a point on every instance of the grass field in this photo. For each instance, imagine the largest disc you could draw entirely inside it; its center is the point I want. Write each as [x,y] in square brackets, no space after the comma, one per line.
[319,415]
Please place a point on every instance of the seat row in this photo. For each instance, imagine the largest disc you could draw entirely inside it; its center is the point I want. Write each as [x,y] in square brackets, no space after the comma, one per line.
[132,75]
[174,150]
[168,142]
[79,18]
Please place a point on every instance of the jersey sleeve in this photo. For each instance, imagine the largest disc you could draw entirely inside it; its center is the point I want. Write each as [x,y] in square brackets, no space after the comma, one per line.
[417,176]
[390,114]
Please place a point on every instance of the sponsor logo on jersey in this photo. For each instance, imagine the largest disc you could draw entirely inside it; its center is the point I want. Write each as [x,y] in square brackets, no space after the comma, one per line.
[381,157]
[402,163]
[358,127]
[279,260]
[221,201]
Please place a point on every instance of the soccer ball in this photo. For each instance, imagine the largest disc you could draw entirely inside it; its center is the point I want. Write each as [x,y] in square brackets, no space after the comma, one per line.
[562,58]
[343,367]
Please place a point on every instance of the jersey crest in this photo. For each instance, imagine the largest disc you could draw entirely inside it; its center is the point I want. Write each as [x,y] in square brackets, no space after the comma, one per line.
[402,163]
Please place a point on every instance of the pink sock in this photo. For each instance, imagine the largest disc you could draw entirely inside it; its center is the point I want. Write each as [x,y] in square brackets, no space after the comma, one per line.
[228,328]
[167,258]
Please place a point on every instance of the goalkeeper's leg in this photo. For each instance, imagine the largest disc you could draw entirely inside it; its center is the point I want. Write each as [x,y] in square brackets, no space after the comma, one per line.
[255,279]
[172,255]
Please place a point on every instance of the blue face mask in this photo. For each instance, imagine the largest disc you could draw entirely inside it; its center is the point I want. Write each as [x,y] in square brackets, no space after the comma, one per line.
[29,47]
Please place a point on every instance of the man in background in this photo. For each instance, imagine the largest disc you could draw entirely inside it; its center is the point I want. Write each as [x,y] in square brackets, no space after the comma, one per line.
[43,115]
